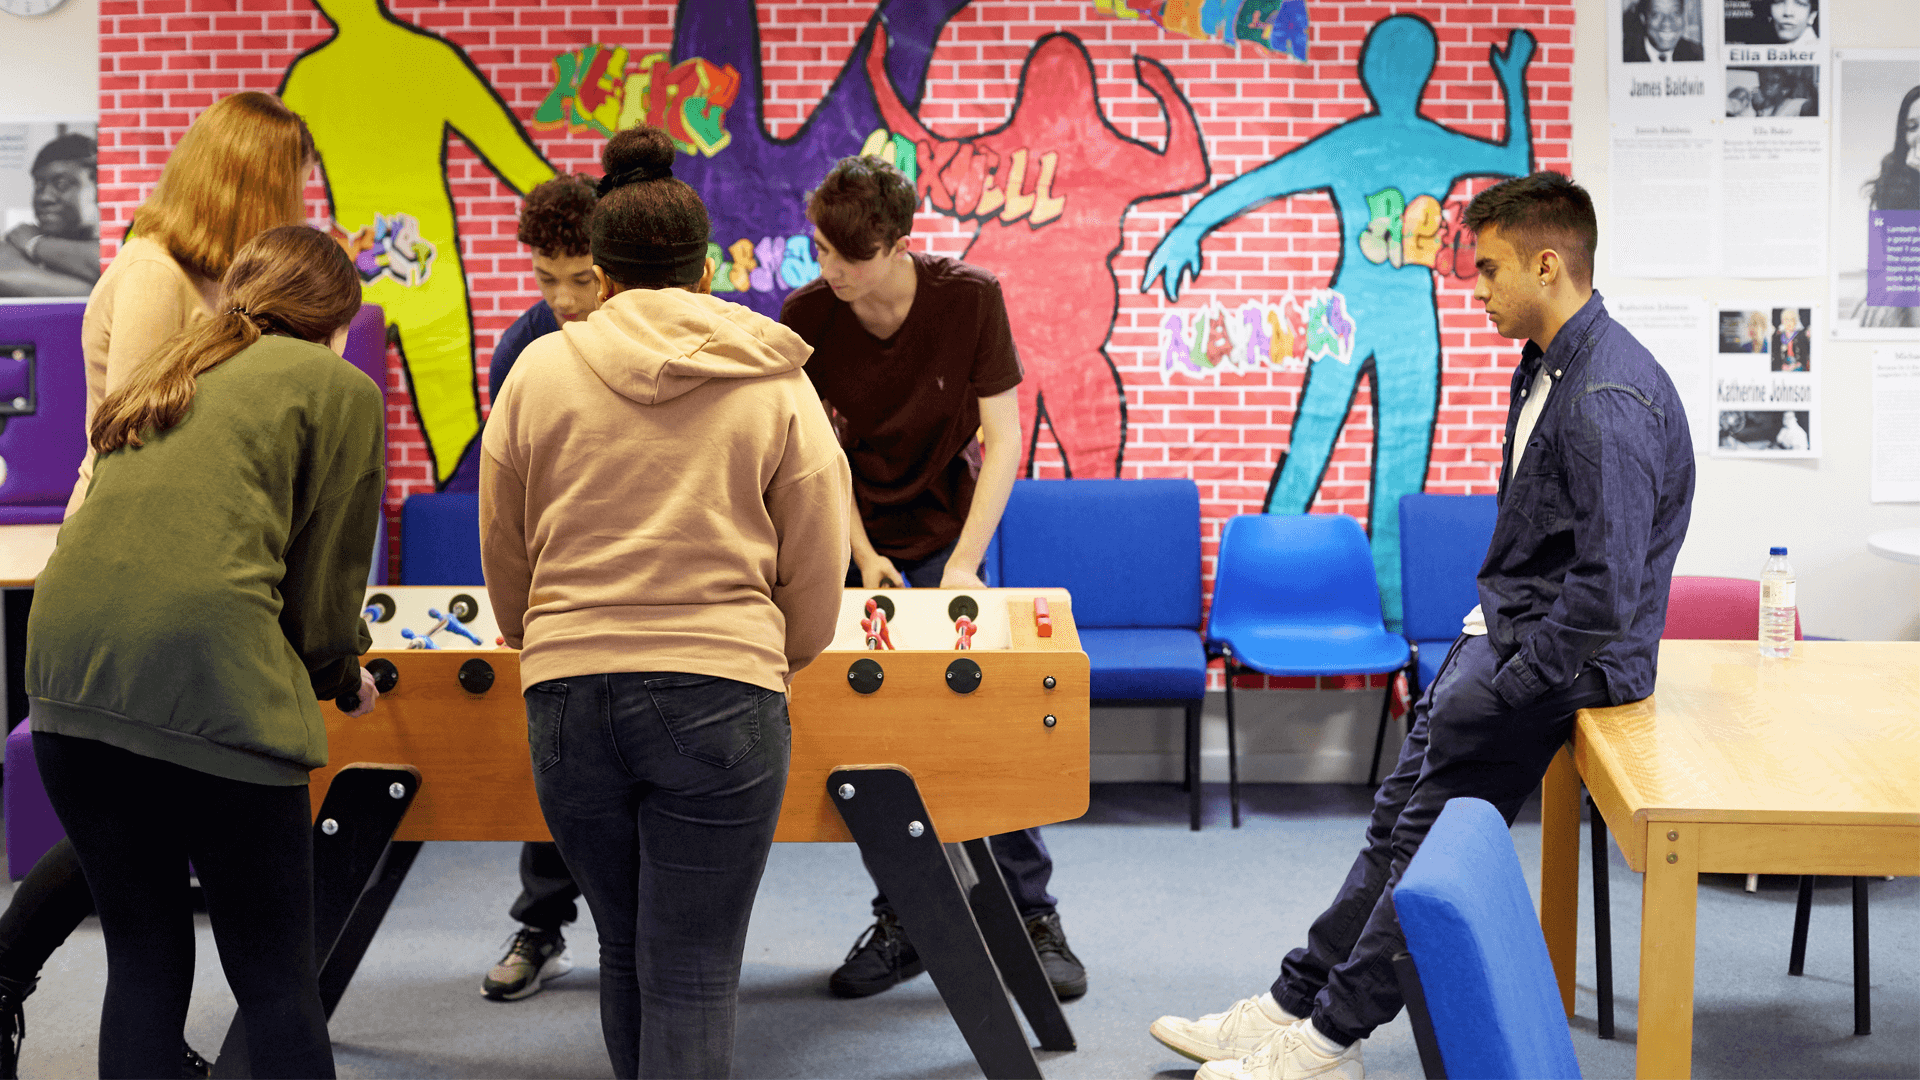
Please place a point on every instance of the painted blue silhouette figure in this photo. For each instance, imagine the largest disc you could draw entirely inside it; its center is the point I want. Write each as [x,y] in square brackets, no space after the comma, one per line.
[1375,167]
[757,187]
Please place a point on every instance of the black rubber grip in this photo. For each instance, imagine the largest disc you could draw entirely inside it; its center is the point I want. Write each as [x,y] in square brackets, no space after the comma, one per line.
[348,701]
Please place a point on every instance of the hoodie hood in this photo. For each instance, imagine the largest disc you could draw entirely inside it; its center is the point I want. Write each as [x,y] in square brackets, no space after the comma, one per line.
[653,345]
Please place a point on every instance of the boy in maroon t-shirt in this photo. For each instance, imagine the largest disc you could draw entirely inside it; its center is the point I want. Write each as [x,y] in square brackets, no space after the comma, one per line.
[912,357]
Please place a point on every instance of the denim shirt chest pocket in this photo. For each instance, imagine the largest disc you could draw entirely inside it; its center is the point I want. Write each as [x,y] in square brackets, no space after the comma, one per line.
[1538,489]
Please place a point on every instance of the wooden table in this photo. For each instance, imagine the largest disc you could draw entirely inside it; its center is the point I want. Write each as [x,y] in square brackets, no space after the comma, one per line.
[24,550]
[1737,764]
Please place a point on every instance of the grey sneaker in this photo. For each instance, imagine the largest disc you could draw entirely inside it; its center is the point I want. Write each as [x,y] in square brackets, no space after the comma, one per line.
[1064,970]
[533,957]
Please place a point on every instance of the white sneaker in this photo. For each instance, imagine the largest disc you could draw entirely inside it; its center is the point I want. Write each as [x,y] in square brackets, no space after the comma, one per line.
[1288,1056]
[1235,1033]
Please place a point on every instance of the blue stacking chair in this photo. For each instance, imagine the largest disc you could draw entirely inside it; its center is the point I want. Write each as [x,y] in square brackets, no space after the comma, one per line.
[1476,977]
[1129,552]
[1295,595]
[1443,542]
[440,539]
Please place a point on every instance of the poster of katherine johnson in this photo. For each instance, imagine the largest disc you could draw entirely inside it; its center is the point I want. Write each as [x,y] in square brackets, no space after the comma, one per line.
[1876,195]
[50,233]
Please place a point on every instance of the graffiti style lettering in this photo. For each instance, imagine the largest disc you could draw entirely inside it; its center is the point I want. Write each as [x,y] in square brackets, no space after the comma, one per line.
[1279,26]
[593,91]
[391,247]
[1401,232]
[898,149]
[744,265]
[798,266]
[1381,242]
[589,88]
[776,263]
[1284,336]
[770,251]
[1368,164]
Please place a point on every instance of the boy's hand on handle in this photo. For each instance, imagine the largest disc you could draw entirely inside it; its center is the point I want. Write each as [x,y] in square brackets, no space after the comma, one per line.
[361,703]
[878,572]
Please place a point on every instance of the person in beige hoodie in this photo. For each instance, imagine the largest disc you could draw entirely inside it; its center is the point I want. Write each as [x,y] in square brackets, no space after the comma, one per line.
[663,523]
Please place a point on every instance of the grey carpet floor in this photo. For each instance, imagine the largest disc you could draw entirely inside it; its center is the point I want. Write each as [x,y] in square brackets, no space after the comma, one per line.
[1168,921]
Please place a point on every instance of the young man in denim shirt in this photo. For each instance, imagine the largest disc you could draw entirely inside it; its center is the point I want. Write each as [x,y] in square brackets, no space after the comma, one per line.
[1596,487]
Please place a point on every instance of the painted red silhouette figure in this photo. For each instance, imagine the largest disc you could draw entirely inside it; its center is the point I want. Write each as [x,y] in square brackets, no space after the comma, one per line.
[1049,188]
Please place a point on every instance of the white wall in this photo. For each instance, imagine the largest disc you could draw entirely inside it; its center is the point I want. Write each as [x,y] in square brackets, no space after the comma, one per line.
[52,62]
[1818,509]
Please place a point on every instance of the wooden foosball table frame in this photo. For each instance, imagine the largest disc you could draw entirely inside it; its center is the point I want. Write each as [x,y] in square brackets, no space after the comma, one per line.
[918,767]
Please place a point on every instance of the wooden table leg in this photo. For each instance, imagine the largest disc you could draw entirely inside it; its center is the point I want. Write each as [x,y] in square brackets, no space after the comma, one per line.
[1560,869]
[1667,914]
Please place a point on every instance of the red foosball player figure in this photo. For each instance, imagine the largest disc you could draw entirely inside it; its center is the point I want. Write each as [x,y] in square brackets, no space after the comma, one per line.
[964,630]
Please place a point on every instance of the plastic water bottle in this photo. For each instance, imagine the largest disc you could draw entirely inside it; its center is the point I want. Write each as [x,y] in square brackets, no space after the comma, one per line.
[1776,605]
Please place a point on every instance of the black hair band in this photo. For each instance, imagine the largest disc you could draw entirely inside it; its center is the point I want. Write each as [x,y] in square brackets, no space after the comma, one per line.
[645,264]
[633,176]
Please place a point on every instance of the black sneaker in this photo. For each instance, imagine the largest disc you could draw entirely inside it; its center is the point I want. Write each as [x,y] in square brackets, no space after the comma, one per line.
[193,1066]
[13,1025]
[880,958]
[533,957]
[1064,970]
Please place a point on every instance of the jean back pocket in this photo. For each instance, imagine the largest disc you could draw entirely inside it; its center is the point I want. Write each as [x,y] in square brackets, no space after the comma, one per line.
[710,719]
[546,713]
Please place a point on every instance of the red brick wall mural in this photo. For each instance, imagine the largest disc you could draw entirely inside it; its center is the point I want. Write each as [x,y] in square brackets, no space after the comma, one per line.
[1229,243]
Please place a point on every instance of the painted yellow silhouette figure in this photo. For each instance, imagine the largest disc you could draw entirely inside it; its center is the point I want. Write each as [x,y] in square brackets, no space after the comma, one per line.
[381,97]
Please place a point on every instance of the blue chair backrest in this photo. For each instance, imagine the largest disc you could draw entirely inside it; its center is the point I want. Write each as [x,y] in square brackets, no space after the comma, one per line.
[1128,550]
[440,540]
[1312,569]
[43,394]
[1443,542]
[1471,928]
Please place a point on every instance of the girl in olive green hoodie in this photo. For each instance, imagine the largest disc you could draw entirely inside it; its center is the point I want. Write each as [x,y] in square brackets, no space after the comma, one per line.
[199,604]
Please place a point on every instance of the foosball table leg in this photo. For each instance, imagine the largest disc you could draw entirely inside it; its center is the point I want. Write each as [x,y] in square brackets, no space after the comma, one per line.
[882,808]
[352,837]
[1013,951]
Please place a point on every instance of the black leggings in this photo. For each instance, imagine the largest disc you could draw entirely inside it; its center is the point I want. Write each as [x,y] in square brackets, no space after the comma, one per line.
[49,902]
[135,822]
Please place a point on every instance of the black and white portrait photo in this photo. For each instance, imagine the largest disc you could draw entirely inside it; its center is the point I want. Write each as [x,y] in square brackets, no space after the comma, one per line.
[1765,431]
[1773,22]
[1774,90]
[50,235]
[1660,31]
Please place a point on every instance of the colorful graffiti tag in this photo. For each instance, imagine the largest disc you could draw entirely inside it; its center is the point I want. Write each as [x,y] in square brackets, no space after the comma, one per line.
[1056,178]
[1287,336]
[594,91]
[390,247]
[1279,26]
[1385,274]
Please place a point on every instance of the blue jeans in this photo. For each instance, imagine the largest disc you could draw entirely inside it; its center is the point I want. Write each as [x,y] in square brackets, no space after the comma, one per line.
[1464,741]
[663,790]
[1022,856]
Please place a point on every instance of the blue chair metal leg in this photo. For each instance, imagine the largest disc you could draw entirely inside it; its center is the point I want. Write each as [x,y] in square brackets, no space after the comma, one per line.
[1233,753]
[1193,765]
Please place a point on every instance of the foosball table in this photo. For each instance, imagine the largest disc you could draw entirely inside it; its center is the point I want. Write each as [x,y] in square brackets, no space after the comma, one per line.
[935,719]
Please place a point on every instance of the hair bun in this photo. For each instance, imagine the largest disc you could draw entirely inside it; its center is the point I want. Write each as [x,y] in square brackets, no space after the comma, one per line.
[640,150]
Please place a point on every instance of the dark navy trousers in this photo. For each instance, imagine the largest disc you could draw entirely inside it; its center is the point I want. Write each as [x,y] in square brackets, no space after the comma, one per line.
[1465,741]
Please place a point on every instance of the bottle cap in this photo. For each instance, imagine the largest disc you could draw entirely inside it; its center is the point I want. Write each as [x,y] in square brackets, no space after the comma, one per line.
[1777,551]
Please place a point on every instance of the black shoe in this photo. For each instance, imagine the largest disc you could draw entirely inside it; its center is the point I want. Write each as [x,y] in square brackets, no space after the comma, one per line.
[193,1066]
[13,1025]
[882,957]
[1064,970]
